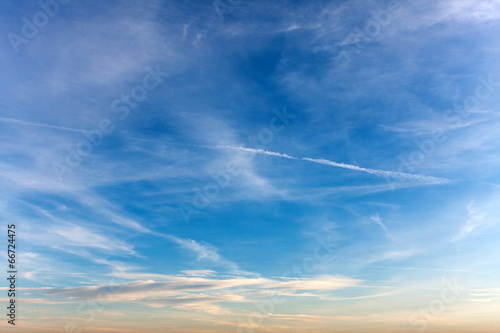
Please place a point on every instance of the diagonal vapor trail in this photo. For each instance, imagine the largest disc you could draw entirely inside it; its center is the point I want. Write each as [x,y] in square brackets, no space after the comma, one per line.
[382,173]
[259,151]
[29,123]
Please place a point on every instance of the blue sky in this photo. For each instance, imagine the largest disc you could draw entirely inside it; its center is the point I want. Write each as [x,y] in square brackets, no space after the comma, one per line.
[340,155]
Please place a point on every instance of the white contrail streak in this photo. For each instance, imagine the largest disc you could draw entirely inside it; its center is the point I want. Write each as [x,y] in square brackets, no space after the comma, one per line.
[383,173]
[259,151]
[29,123]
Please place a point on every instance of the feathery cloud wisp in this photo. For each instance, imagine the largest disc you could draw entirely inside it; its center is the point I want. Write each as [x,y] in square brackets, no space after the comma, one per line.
[377,220]
[475,217]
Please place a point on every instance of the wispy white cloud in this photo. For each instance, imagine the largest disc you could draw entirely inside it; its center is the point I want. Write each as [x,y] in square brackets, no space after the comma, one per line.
[435,124]
[199,272]
[74,235]
[395,255]
[205,252]
[475,217]
[467,11]
[178,290]
[376,218]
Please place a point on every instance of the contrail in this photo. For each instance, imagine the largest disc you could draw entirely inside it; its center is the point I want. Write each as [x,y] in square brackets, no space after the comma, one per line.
[22,122]
[383,173]
[259,151]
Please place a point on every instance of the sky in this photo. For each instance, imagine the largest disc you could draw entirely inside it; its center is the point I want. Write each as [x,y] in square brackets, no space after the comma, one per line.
[251,166]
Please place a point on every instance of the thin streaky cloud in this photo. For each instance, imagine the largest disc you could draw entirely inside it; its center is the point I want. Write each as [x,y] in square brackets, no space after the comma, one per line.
[204,252]
[424,269]
[382,173]
[29,123]
[475,218]
[377,220]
